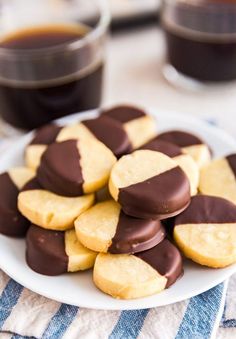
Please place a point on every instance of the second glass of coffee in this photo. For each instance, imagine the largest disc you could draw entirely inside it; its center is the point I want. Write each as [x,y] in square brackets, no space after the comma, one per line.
[200,39]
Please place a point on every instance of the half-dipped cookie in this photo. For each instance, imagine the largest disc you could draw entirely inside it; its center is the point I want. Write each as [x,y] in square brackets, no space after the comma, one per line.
[75,167]
[54,253]
[49,210]
[138,275]
[43,136]
[105,228]
[218,178]
[206,231]
[12,222]
[184,160]
[110,132]
[139,126]
[190,144]
[149,185]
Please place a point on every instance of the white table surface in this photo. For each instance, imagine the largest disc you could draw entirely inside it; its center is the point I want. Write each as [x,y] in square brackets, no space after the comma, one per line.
[134,75]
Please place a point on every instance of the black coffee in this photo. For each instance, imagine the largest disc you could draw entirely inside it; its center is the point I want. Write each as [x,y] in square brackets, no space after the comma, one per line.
[202,43]
[203,60]
[29,104]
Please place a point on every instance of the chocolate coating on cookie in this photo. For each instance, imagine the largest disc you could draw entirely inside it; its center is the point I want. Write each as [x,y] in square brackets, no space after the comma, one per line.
[180,138]
[124,114]
[165,259]
[12,222]
[161,196]
[135,235]
[162,146]
[46,135]
[111,133]
[232,162]
[60,171]
[45,251]
[33,184]
[207,209]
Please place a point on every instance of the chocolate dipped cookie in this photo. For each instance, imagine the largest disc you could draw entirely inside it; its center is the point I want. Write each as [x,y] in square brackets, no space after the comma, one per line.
[218,178]
[190,144]
[43,137]
[206,231]
[111,133]
[149,185]
[105,228]
[49,210]
[183,160]
[139,126]
[138,275]
[108,131]
[75,167]
[12,222]
[54,253]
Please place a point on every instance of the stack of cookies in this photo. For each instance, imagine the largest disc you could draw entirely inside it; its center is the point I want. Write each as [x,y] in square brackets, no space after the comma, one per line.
[111,194]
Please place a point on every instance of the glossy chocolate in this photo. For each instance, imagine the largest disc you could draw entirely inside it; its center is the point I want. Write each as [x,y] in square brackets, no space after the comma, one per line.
[45,251]
[60,171]
[46,135]
[232,162]
[111,133]
[124,114]
[136,235]
[162,146]
[161,196]
[207,209]
[165,259]
[180,138]
[12,222]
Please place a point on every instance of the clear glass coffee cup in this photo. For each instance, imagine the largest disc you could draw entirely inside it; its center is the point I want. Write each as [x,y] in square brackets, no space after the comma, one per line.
[200,40]
[52,55]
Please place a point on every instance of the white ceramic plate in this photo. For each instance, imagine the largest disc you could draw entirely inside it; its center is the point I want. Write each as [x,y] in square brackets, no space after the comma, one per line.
[78,288]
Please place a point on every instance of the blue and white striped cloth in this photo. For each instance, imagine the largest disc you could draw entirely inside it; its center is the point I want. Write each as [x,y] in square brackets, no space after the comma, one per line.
[24,314]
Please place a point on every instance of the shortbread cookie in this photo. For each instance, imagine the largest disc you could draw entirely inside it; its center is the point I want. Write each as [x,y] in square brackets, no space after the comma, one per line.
[138,275]
[105,228]
[75,167]
[190,144]
[139,126]
[111,133]
[49,210]
[206,231]
[43,136]
[149,184]
[218,178]
[108,131]
[12,223]
[53,252]
[185,161]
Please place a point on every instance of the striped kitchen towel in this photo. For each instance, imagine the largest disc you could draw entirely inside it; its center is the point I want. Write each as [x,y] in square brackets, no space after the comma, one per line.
[24,314]
[227,328]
